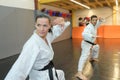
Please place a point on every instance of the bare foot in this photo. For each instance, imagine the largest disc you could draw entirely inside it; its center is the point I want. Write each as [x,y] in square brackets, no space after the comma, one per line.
[80,76]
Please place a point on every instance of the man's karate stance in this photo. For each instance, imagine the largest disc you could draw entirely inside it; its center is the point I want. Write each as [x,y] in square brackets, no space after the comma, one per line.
[36,57]
[88,43]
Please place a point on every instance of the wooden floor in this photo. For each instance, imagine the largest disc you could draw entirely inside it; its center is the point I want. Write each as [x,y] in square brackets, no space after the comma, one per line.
[67,54]
[66,57]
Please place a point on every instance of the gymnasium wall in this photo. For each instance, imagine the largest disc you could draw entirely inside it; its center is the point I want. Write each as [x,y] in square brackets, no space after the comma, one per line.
[109,29]
[17,25]
[105,12]
[104,31]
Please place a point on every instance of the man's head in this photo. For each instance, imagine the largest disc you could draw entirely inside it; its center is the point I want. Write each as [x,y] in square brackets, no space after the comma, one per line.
[94,19]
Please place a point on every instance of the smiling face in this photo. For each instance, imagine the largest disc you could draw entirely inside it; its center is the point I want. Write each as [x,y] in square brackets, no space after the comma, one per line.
[42,26]
[94,19]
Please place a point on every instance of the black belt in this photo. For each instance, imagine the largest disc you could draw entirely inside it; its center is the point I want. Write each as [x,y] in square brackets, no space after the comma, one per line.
[90,42]
[49,67]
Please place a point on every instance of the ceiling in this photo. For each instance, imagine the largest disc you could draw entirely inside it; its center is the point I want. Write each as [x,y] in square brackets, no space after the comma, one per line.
[67,4]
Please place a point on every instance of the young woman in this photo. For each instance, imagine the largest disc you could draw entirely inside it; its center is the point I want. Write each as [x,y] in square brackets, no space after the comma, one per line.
[37,54]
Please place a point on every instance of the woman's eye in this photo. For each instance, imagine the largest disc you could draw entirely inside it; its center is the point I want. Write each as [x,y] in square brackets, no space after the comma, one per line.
[38,25]
[45,25]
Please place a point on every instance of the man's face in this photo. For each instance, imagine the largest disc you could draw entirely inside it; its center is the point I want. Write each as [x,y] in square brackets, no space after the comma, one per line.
[94,21]
[42,27]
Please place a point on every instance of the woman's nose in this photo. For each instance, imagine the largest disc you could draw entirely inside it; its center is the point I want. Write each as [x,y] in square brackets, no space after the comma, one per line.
[41,28]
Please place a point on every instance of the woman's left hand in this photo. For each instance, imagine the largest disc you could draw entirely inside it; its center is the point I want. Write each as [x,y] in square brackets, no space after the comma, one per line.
[59,21]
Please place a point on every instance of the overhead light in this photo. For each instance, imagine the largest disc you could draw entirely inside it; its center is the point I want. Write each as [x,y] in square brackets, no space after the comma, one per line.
[80,4]
[116,2]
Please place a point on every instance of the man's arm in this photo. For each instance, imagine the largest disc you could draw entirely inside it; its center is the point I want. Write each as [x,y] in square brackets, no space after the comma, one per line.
[99,22]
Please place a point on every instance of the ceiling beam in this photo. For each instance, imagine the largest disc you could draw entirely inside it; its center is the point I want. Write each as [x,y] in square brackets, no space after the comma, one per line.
[47,1]
[99,3]
[61,4]
[72,4]
[108,2]
[88,3]
[80,4]
[58,6]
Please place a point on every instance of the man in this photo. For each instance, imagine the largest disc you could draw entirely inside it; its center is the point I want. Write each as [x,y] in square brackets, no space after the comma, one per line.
[88,43]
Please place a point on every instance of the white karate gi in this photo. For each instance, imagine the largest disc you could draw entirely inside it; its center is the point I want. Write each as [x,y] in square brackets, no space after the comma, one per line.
[35,55]
[87,34]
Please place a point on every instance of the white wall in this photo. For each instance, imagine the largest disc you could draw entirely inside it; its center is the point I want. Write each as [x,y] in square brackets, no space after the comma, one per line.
[16,25]
[26,4]
[118,16]
[105,12]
